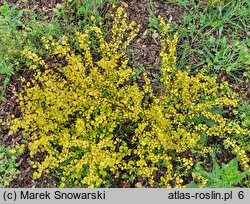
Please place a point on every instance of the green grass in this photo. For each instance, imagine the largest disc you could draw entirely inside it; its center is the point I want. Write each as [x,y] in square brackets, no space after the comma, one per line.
[9,23]
[216,35]
[16,34]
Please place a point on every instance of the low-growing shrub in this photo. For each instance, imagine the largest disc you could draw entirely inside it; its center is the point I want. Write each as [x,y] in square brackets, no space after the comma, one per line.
[92,123]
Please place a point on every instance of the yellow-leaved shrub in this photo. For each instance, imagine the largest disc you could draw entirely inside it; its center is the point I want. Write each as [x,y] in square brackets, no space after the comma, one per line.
[92,123]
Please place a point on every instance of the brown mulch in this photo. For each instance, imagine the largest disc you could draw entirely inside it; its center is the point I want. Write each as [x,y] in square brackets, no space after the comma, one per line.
[146,48]
[43,8]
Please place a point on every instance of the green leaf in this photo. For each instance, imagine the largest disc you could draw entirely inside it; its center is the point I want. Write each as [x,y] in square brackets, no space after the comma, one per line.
[203,139]
[226,176]
[66,162]
[12,170]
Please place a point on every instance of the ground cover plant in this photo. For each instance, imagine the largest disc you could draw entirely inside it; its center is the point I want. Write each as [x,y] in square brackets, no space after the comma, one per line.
[90,114]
